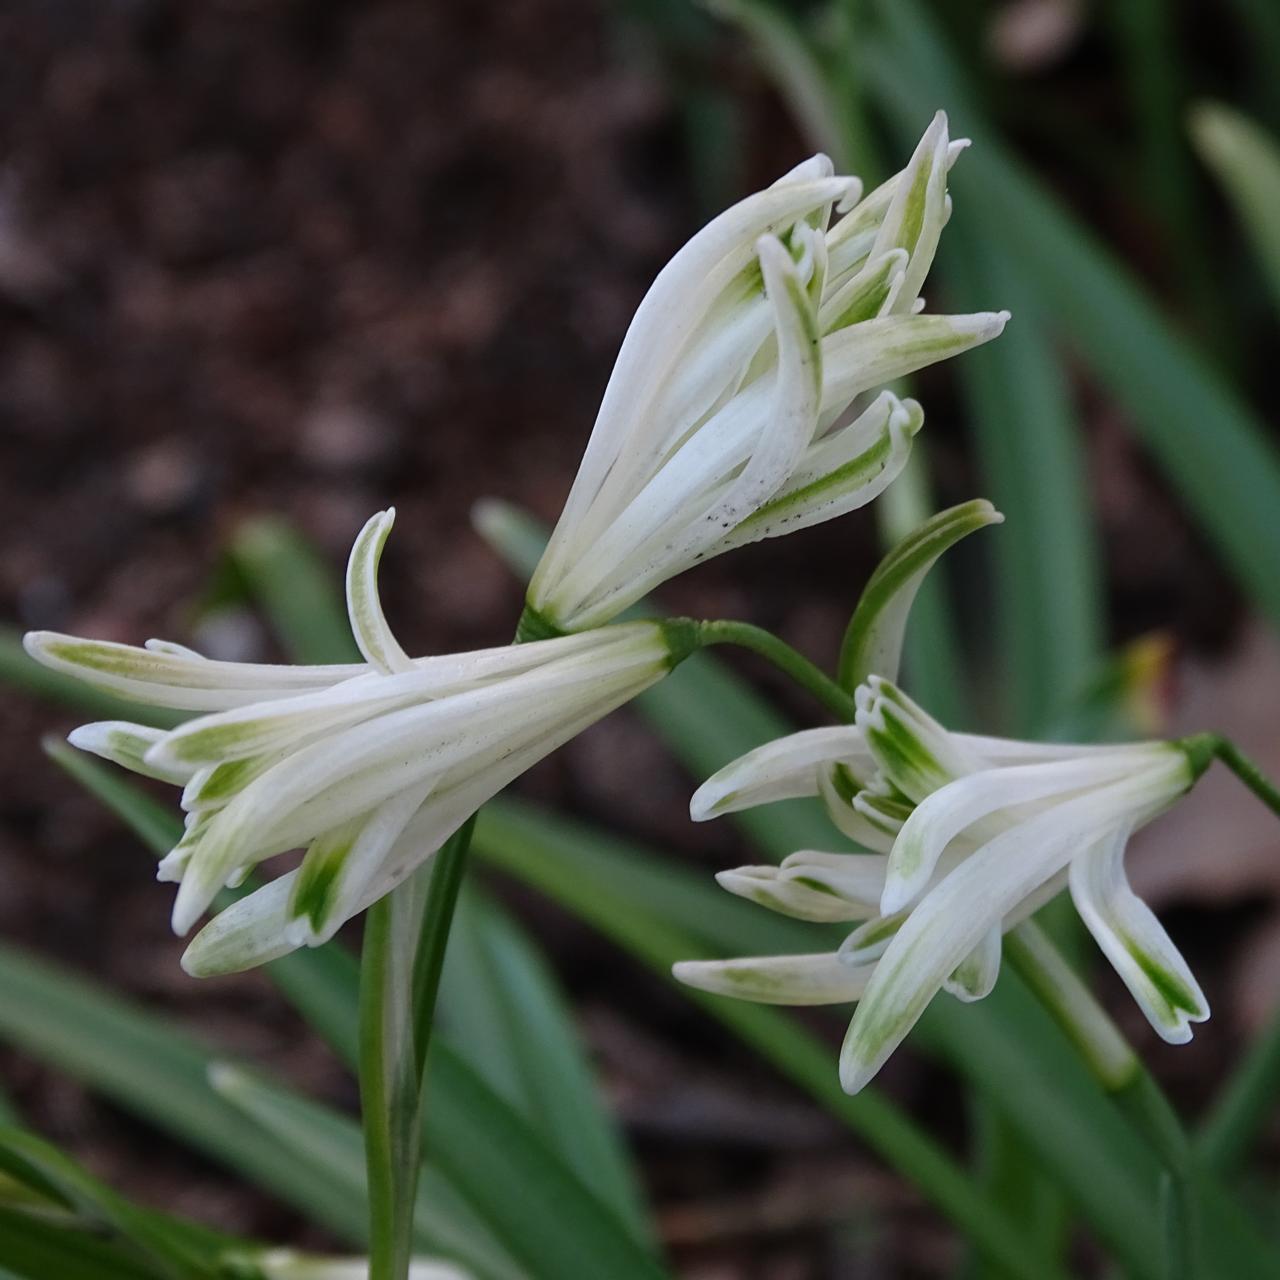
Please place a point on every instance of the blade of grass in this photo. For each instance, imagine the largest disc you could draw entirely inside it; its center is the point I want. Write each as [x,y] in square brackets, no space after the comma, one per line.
[1047,593]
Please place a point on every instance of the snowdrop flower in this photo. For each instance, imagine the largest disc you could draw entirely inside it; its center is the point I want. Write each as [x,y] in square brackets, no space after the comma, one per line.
[726,418]
[370,766]
[968,835]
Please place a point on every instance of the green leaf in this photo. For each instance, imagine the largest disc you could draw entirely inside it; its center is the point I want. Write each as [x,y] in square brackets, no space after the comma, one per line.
[1047,592]
[1212,448]
[504,1013]
[166,1247]
[873,640]
[315,1134]
[36,1249]
[1246,161]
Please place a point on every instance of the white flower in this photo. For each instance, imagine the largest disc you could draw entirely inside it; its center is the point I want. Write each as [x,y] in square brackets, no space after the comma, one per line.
[724,420]
[369,766]
[287,1264]
[969,835]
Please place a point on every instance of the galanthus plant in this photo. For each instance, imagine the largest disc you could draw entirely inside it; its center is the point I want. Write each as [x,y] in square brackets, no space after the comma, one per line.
[748,400]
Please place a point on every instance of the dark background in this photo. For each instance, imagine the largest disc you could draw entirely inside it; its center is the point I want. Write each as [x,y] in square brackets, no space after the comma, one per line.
[309,259]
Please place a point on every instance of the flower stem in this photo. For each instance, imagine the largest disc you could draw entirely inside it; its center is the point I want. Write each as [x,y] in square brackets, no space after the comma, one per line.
[805,673]
[389,1078]
[1120,1072]
[405,937]
[442,900]
[1203,747]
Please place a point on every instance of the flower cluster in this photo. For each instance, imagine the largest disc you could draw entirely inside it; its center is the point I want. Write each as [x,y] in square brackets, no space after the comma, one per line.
[369,767]
[726,418]
[742,406]
[968,836]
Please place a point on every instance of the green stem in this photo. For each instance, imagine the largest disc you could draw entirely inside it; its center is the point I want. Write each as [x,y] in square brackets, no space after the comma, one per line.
[389,1076]
[1120,1072]
[805,673]
[442,900]
[1245,769]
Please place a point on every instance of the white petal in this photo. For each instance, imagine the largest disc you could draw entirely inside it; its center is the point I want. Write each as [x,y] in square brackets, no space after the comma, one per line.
[974,898]
[867,294]
[869,941]
[849,486]
[656,340]
[789,896]
[259,729]
[975,977]
[784,769]
[792,980]
[166,678]
[864,356]
[335,874]
[913,751]
[333,780]
[941,817]
[858,878]
[636,554]
[863,823]
[364,605]
[126,744]
[1135,942]
[917,212]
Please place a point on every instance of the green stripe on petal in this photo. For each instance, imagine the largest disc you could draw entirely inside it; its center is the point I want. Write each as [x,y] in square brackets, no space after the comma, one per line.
[364,606]
[126,744]
[1135,942]
[795,980]
[873,641]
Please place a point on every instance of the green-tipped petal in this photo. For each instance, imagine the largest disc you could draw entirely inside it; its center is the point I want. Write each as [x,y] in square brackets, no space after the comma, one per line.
[171,677]
[798,980]
[789,896]
[873,641]
[364,605]
[974,978]
[1135,942]
[126,744]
